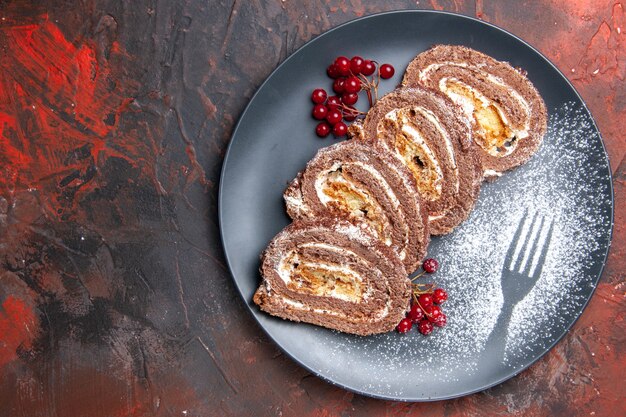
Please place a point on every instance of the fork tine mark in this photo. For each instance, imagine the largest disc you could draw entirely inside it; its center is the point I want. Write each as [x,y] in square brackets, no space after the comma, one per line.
[508,260]
[544,252]
[520,256]
[533,250]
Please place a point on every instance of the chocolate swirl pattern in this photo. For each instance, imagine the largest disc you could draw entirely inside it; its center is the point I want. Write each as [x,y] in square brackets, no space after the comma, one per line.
[430,135]
[508,116]
[367,185]
[335,274]
[364,209]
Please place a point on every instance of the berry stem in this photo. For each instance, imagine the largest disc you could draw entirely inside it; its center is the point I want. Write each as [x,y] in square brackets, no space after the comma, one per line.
[422,288]
[418,276]
[369,85]
[364,80]
[352,110]
[376,85]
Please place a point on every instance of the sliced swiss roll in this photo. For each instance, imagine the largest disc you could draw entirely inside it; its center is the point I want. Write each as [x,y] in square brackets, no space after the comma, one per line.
[508,115]
[431,136]
[364,184]
[332,273]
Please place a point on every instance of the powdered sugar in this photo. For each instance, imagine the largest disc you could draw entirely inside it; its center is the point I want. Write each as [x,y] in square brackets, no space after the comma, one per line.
[357,233]
[566,183]
[565,187]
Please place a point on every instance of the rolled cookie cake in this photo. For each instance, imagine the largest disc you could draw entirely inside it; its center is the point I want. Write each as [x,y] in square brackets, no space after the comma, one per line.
[364,184]
[335,274]
[431,136]
[507,113]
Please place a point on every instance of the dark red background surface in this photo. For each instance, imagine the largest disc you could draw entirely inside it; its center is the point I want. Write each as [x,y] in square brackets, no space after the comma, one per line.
[114,296]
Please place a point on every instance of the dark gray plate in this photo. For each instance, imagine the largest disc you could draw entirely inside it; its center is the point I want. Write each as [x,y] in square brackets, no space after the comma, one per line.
[490,336]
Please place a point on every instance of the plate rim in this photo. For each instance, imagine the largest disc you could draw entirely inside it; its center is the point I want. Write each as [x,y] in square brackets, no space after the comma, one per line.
[389,397]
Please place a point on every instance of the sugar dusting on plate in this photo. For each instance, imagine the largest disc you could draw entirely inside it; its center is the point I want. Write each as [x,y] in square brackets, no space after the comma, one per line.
[565,183]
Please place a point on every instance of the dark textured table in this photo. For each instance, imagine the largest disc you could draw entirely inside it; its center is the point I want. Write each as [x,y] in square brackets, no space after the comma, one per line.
[115,298]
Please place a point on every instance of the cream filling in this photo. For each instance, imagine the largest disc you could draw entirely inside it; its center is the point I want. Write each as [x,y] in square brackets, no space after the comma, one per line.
[491,173]
[381,180]
[355,279]
[297,202]
[354,233]
[423,74]
[519,133]
[418,139]
[517,96]
[434,120]
[432,117]
[465,102]
[342,251]
[437,217]
[328,247]
[467,105]
[296,304]
[286,269]
[323,180]
[394,199]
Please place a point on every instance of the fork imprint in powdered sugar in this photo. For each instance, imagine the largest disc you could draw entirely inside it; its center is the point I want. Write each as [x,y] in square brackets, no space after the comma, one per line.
[521,270]
[566,184]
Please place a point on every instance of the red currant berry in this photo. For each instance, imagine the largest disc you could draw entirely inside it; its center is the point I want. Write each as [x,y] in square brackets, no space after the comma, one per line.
[332,71]
[319,96]
[356,63]
[349,98]
[339,85]
[441,320]
[440,295]
[333,117]
[322,129]
[404,325]
[343,64]
[352,85]
[368,67]
[386,71]
[333,102]
[425,300]
[432,312]
[425,327]
[416,313]
[350,114]
[340,129]
[320,111]
[430,265]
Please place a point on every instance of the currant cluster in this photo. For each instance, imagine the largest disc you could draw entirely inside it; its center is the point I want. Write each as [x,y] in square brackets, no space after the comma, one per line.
[426,303]
[350,78]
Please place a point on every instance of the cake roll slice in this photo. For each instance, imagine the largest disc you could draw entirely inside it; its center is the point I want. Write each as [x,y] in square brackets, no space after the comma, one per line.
[431,136]
[508,115]
[332,273]
[363,184]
